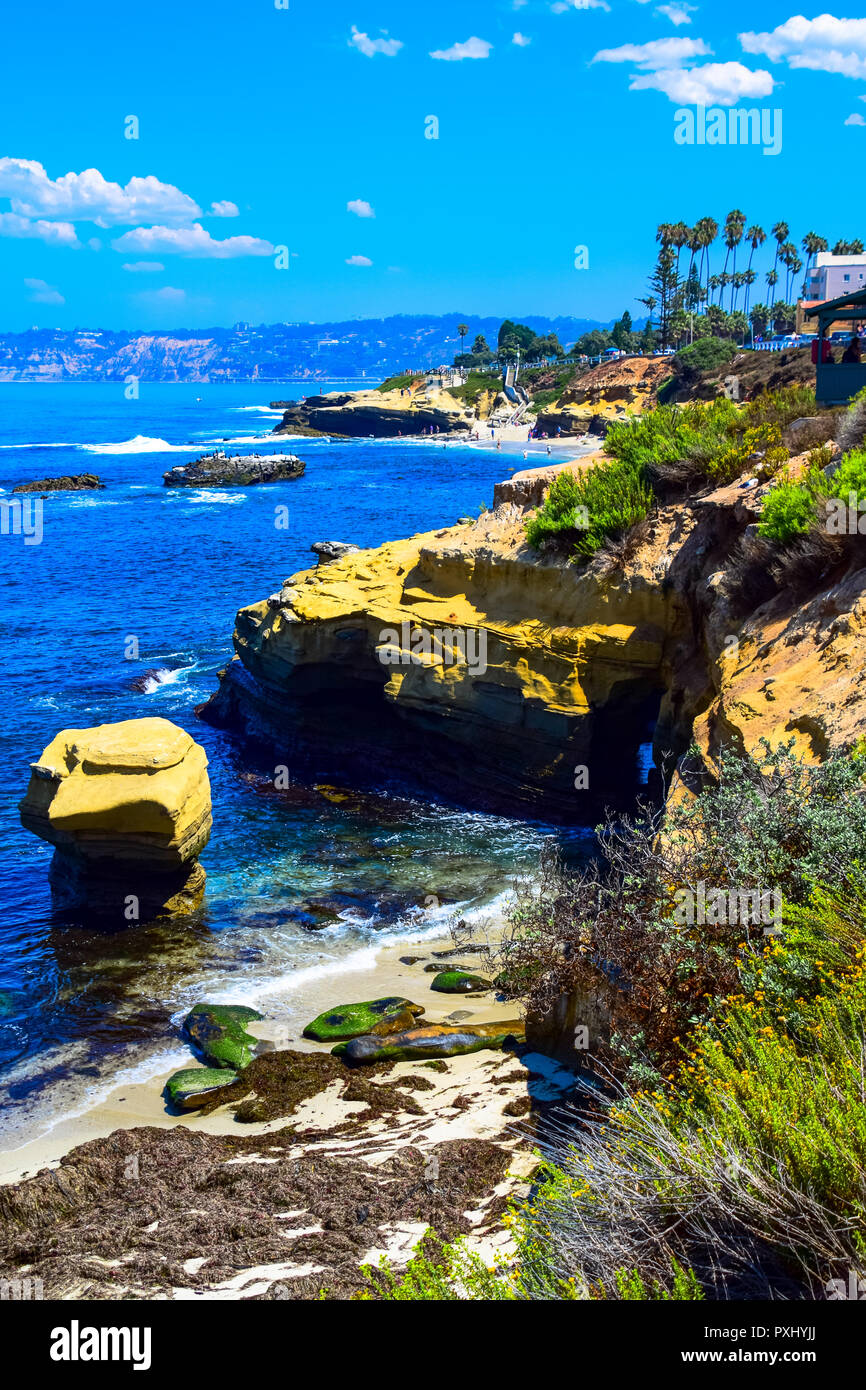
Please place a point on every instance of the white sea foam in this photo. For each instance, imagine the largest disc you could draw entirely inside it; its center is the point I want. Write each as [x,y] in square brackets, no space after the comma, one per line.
[140,444]
[207,496]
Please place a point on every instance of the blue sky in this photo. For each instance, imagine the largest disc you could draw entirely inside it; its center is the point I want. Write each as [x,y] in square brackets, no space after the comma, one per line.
[304,127]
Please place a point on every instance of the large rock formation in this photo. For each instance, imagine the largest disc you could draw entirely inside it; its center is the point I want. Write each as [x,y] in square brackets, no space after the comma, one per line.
[241,470]
[127,807]
[381,413]
[74,482]
[519,678]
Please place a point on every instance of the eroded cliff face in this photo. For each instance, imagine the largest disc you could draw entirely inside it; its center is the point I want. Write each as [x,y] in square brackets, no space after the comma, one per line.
[501,673]
[386,414]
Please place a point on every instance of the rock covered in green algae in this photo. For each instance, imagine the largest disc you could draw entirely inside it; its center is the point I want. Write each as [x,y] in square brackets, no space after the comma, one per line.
[218,1031]
[434,1041]
[377,1016]
[194,1086]
[459,982]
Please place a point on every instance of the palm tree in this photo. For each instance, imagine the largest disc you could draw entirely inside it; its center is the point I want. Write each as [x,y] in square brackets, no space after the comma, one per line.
[788,255]
[462,329]
[755,236]
[707,229]
[780,232]
[650,301]
[734,225]
[680,234]
[749,278]
[772,279]
[812,244]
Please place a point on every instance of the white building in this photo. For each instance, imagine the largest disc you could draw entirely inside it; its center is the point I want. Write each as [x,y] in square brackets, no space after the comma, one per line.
[832,276]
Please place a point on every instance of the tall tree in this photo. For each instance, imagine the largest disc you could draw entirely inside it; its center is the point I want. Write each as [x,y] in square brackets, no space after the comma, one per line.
[462,329]
[780,232]
[755,236]
[735,223]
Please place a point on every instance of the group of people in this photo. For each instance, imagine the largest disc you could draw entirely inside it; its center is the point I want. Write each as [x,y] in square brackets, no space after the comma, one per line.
[852,353]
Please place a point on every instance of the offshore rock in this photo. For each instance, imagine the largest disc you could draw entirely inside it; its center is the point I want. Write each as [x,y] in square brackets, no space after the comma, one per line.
[127,807]
[242,470]
[76,482]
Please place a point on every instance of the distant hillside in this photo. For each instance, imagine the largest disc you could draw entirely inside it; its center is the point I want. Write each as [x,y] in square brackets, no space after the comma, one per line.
[356,348]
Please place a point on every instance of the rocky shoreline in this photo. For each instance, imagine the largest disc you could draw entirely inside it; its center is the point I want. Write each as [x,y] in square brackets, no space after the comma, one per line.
[305,1169]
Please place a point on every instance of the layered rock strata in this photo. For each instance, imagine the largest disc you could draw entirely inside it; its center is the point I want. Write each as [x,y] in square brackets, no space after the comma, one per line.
[127,807]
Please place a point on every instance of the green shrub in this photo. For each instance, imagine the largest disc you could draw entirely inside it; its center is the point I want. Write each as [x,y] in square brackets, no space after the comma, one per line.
[780,407]
[740,1168]
[791,508]
[702,356]
[592,507]
[850,477]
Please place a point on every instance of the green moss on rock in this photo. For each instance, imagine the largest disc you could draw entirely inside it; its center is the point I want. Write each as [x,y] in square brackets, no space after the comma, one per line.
[218,1031]
[194,1086]
[459,982]
[435,1041]
[379,1016]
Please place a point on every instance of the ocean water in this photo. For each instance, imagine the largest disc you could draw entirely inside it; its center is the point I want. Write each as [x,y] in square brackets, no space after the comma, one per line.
[80,1008]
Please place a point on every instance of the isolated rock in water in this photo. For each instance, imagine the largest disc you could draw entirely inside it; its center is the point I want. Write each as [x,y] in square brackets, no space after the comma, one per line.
[193,1086]
[219,1032]
[136,792]
[332,550]
[459,982]
[128,808]
[241,470]
[76,482]
[379,1016]
[433,1041]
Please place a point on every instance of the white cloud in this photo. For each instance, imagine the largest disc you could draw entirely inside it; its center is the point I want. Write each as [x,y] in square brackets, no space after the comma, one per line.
[521,40]
[167,295]
[144,267]
[41,293]
[89,197]
[658,53]
[677,14]
[358,260]
[94,243]
[54,233]
[562,6]
[370,47]
[856,119]
[226,208]
[190,241]
[472,48]
[825,44]
[360,208]
[712,84]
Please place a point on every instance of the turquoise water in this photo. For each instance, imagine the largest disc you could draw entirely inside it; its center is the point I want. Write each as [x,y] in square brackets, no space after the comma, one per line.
[77,1006]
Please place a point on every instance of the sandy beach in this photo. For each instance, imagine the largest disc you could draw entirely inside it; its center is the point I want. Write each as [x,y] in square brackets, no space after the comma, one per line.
[380,973]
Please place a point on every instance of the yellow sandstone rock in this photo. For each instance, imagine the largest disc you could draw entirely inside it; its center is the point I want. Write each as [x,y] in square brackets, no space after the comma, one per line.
[136,792]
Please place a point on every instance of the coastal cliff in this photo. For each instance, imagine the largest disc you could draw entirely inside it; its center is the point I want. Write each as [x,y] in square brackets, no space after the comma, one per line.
[349,414]
[514,670]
